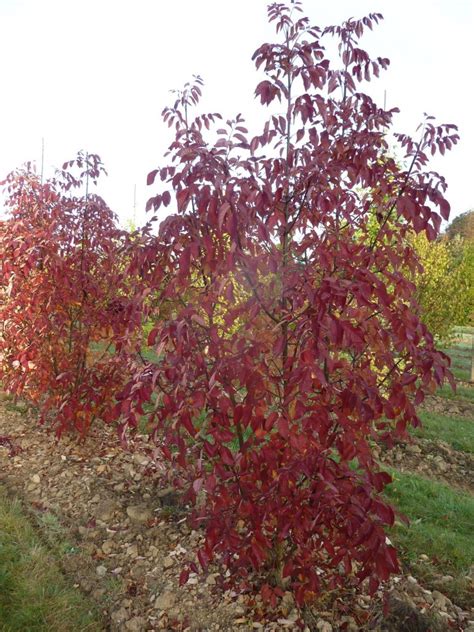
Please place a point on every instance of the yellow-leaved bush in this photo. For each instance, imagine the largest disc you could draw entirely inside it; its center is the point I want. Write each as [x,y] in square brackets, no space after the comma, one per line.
[445,286]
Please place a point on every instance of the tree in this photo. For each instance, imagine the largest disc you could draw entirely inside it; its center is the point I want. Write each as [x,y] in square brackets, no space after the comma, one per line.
[460,234]
[462,226]
[64,295]
[444,288]
[272,422]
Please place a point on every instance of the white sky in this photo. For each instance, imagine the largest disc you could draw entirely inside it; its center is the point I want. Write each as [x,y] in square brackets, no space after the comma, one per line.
[95,75]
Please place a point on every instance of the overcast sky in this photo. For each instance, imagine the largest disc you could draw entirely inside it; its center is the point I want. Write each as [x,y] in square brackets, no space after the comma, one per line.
[95,75]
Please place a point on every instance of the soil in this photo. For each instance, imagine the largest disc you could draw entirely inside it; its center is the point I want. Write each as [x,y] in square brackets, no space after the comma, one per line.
[437,459]
[451,408]
[433,459]
[123,538]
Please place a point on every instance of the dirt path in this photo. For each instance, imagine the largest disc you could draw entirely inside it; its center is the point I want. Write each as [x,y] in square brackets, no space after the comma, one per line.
[434,460]
[450,407]
[123,539]
[126,536]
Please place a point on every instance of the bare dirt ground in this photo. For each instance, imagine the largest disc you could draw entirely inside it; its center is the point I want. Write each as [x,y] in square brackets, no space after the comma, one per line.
[122,540]
[454,408]
[436,459]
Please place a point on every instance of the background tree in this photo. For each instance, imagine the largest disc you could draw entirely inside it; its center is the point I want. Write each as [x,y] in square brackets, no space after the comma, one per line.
[460,234]
[444,285]
[462,226]
[65,295]
[461,237]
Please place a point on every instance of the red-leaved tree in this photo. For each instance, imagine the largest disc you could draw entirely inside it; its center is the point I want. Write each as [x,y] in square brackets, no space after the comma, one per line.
[64,295]
[286,340]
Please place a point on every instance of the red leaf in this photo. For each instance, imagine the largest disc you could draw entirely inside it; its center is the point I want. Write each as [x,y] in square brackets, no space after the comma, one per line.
[182,198]
[197,485]
[283,427]
[222,214]
[226,456]
[152,336]
[185,261]
[151,177]
[203,559]
[184,576]
[166,198]
[444,208]
[373,585]
[384,512]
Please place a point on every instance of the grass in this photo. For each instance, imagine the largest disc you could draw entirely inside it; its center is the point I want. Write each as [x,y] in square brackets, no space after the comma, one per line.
[441,527]
[456,432]
[34,595]
[442,521]
[441,518]
[463,393]
[17,407]
[460,355]
[466,329]
[461,364]
[460,352]
[54,534]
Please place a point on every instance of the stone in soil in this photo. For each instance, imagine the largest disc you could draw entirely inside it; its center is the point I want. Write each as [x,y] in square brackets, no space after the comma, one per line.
[165,601]
[139,513]
[105,510]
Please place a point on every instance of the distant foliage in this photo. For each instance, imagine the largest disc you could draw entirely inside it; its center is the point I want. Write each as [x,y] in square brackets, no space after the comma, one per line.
[445,285]
[460,234]
[285,331]
[64,296]
[462,226]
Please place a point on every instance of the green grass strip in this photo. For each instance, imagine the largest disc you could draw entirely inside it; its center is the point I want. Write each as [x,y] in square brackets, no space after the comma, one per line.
[34,595]
[455,431]
[465,393]
[442,522]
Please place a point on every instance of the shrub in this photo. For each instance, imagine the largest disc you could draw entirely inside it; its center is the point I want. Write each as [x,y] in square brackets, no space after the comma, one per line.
[64,295]
[267,403]
[282,323]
